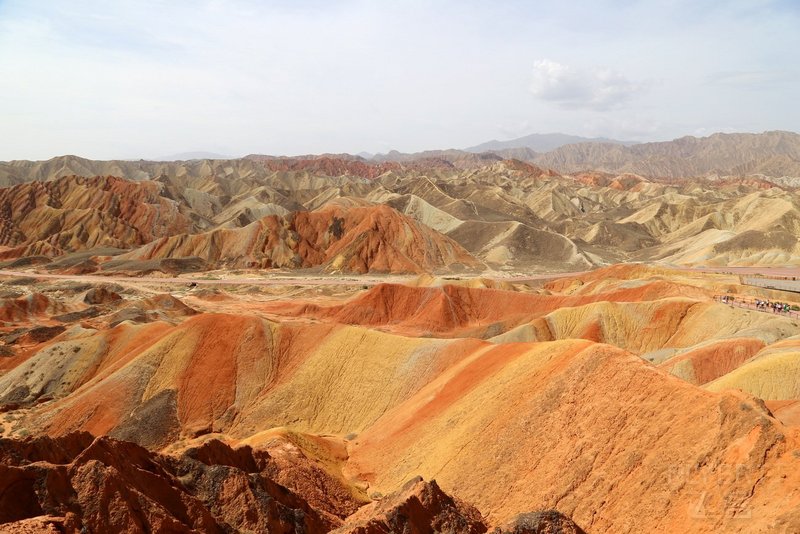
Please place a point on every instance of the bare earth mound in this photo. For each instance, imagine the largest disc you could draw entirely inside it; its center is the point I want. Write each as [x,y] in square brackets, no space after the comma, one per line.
[359,239]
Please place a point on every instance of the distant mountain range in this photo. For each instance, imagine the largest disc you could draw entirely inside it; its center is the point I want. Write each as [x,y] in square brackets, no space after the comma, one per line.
[774,154]
[543,142]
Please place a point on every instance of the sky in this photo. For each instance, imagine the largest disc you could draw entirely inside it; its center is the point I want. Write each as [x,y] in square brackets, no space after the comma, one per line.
[130,79]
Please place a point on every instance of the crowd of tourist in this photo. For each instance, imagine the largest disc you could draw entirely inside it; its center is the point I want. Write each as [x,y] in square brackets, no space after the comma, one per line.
[765,305]
[776,307]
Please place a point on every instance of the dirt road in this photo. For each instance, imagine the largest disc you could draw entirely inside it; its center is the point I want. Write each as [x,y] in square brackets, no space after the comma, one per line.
[273,280]
[763,271]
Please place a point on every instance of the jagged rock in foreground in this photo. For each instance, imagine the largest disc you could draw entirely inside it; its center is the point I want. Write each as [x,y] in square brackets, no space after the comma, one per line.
[418,507]
[422,507]
[77,483]
[546,522]
[117,486]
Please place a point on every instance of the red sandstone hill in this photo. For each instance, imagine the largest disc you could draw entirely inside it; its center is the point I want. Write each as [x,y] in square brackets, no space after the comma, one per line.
[351,239]
[327,166]
[561,409]
[73,214]
[76,213]
[571,424]
[458,310]
[509,214]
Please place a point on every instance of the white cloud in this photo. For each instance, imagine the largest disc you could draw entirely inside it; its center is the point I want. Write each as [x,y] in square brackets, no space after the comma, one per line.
[598,89]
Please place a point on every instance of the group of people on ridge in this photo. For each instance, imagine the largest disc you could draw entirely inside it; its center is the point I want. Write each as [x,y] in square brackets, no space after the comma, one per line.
[775,307]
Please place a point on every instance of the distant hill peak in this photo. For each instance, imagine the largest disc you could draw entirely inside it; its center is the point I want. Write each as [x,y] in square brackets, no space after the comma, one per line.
[773,153]
[543,142]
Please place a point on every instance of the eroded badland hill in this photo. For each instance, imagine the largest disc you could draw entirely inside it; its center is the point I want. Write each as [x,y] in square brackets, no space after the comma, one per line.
[432,345]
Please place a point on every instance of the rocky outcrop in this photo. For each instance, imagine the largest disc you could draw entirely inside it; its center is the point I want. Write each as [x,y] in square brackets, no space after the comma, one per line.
[545,522]
[115,486]
[422,507]
[77,483]
[418,507]
[101,295]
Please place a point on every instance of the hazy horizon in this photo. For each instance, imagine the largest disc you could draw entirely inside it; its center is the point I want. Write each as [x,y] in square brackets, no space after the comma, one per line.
[202,154]
[149,79]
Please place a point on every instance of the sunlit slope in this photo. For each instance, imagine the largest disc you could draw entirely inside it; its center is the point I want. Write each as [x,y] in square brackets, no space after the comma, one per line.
[229,374]
[771,374]
[585,428]
[589,395]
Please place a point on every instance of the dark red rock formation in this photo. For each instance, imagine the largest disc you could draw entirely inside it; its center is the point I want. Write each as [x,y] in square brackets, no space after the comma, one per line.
[101,295]
[423,508]
[545,522]
[419,507]
[106,485]
[76,483]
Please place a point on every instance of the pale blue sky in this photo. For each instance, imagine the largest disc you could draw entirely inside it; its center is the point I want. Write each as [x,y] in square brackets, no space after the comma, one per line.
[128,79]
